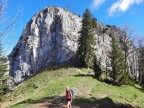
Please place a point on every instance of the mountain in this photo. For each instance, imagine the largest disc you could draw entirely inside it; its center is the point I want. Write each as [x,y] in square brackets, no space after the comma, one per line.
[50,38]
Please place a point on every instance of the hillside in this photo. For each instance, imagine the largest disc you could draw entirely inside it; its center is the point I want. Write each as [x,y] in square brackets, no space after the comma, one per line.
[47,90]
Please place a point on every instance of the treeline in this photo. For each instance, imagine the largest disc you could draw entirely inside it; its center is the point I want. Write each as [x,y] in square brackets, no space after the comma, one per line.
[4,73]
[119,70]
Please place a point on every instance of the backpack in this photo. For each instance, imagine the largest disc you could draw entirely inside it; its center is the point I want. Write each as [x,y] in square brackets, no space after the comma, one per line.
[72,93]
[68,94]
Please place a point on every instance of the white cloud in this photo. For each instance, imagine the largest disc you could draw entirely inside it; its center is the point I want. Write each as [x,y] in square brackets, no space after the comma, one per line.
[122,6]
[96,4]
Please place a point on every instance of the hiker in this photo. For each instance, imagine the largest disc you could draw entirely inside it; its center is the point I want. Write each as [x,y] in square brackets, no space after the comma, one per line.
[68,97]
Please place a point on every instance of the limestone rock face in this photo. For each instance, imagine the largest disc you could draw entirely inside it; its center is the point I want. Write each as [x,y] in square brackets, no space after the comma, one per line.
[50,37]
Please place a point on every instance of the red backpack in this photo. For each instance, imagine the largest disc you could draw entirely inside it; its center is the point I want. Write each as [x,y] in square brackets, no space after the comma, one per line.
[68,94]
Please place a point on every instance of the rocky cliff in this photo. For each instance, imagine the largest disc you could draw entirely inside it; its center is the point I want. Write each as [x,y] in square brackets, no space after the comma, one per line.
[49,38]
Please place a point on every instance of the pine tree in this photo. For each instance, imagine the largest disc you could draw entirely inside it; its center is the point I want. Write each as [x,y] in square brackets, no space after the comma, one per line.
[3,69]
[86,40]
[118,73]
[96,67]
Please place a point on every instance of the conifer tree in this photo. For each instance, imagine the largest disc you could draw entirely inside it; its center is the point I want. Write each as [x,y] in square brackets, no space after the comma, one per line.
[96,67]
[118,73]
[3,69]
[86,40]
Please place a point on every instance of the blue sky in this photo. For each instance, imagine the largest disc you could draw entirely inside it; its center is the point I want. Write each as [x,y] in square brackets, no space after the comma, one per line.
[112,12]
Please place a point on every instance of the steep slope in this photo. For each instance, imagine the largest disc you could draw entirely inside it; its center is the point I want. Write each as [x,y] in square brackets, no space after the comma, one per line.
[47,90]
[50,37]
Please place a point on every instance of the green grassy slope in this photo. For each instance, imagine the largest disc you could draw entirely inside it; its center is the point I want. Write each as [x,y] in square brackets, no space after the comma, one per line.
[51,84]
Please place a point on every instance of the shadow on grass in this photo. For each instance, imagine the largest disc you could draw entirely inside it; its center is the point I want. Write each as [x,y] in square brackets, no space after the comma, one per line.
[59,66]
[84,75]
[140,89]
[79,102]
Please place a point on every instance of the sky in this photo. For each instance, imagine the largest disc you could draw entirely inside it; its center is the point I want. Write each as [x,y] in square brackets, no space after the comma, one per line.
[109,12]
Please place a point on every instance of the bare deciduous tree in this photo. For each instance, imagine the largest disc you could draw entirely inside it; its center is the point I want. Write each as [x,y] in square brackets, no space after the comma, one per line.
[4,19]
[141,60]
[126,38]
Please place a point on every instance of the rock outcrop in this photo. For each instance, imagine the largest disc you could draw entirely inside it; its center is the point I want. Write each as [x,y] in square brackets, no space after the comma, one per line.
[50,38]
